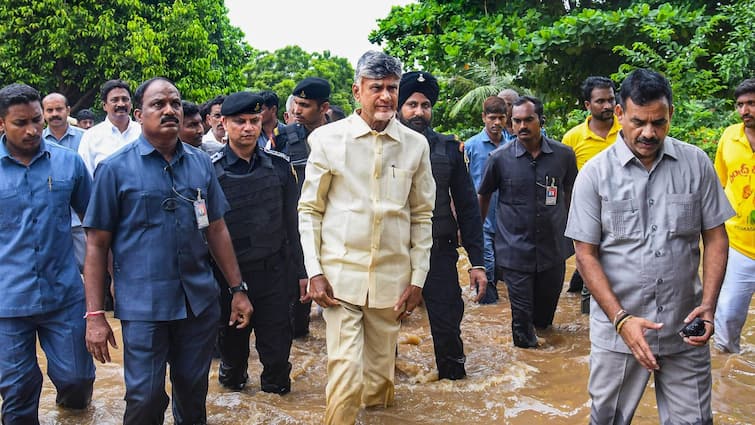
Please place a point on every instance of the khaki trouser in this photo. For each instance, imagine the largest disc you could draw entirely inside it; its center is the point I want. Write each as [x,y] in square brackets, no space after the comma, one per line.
[361,359]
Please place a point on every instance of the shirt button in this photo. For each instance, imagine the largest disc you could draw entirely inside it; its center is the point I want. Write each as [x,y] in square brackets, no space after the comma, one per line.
[659,281]
[660,309]
[658,253]
[654,227]
[36,249]
[651,201]
[34,220]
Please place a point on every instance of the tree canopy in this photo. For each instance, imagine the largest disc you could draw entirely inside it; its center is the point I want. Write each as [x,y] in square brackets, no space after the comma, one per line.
[282,69]
[548,47]
[72,47]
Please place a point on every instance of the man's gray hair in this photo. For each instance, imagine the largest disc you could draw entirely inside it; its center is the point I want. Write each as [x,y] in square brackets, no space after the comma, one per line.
[289,102]
[376,66]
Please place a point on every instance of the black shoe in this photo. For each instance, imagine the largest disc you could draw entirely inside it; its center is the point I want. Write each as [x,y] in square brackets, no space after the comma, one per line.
[231,379]
[525,338]
[276,389]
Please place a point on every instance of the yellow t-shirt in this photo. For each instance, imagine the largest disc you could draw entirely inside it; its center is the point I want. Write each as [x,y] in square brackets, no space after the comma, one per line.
[735,166]
[586,143]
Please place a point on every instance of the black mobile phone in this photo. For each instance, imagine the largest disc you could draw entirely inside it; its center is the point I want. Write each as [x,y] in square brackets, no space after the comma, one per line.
[694,328]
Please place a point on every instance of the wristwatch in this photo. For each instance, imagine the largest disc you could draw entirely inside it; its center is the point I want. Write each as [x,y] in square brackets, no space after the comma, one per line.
[241,287]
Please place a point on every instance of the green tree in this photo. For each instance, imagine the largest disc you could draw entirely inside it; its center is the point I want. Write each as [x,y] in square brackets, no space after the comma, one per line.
[72,47]
[282,69]
[549,47]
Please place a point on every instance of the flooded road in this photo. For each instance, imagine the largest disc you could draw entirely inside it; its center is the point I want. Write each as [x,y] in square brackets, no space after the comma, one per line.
[505,385]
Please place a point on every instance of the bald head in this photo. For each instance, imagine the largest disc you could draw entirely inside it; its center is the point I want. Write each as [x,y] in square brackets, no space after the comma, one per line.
[55,110]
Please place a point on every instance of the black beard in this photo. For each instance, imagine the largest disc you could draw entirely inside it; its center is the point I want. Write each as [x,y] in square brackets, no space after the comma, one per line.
[417,124]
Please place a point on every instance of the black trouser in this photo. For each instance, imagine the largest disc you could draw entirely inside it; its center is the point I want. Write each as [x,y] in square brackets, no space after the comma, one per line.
[445,309]
[269,294]
[534,297]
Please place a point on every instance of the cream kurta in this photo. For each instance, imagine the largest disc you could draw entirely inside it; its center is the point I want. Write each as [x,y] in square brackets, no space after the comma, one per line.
[365,210]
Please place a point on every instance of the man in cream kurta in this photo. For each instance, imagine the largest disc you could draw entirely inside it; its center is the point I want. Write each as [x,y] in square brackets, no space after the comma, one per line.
[365,222]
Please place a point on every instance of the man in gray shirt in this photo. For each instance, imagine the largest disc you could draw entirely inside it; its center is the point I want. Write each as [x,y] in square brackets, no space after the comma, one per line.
[637,214]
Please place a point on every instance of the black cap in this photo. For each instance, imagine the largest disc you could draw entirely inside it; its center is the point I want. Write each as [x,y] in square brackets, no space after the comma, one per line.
[242,102]
[312,88]
[418,81]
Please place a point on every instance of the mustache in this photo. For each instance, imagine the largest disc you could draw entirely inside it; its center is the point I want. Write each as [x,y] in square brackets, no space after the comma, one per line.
[167,119]
[420,121]
[648,140]
[55,117]
[121,109]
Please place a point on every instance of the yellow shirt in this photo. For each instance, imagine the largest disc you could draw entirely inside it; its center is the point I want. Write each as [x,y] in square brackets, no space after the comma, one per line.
[586,143]
[735,166]
[365,210]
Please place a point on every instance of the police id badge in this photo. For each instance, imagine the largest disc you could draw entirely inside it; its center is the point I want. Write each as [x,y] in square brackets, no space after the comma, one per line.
[200,212]
[551,192]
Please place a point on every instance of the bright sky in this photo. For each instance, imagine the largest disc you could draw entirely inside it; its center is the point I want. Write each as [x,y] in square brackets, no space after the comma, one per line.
[341,26]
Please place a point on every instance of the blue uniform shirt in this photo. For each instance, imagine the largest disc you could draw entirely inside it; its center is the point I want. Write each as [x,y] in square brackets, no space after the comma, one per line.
[478,149]
[38,271]
[71,140]
[160,257]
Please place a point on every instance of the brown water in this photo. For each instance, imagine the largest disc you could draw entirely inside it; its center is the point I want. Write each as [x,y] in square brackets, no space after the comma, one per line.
[505,385]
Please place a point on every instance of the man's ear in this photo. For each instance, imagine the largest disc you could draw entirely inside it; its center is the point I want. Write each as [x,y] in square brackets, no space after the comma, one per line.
[619,111]
[138,115]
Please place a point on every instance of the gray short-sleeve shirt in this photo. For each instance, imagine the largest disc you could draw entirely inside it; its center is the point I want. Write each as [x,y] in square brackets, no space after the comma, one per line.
[647,225]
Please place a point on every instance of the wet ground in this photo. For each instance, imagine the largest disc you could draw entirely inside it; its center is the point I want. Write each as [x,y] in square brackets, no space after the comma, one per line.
[505,385]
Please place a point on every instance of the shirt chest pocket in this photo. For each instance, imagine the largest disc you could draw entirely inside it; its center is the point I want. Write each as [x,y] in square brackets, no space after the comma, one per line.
[515,191]
[684,214]
[399,183]
[10,209]
[144,209]
[621,219]
[60,197]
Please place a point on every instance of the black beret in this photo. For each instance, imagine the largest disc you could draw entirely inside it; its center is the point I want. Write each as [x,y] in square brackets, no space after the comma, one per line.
[242,102]
[418,81]
[312,88]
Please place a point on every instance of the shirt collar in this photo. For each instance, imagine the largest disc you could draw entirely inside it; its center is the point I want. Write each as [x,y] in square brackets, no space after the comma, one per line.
[625,155]
[114,129]
[232,158]
[46,133]
[740,136]
[145,148]
[520,150]
[44,149]
[588,133]
[362,129]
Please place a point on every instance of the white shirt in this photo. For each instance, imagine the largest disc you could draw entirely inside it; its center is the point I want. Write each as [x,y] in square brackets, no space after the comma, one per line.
[103,140]
[209,137]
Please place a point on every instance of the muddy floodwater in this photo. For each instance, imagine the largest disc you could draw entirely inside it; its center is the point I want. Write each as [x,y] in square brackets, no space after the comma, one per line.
[505,385]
